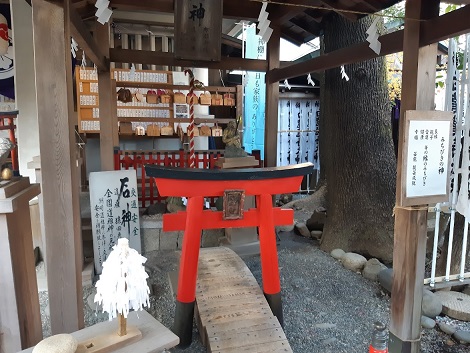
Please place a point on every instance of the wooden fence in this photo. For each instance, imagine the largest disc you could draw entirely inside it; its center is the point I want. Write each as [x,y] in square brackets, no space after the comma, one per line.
[148,192]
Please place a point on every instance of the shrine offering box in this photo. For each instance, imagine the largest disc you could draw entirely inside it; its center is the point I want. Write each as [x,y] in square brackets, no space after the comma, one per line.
[125,128]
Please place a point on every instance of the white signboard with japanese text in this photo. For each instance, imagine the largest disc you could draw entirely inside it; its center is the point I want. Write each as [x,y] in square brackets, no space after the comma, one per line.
[426,157]
[114,212]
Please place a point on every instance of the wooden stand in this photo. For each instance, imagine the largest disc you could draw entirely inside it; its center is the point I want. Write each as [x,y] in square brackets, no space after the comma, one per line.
[19,304]
[237,162]
[145,335]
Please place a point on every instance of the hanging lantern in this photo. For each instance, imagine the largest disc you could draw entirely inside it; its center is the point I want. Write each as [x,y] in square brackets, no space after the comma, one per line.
[4,42]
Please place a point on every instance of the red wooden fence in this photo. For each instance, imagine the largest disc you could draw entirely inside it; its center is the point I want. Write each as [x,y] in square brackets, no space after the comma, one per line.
[148,192]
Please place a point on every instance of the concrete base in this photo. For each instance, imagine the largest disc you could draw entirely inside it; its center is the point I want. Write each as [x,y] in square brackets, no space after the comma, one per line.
[154,238]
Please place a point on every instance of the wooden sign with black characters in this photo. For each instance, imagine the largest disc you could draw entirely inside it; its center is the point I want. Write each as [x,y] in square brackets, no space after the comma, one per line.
[198,28]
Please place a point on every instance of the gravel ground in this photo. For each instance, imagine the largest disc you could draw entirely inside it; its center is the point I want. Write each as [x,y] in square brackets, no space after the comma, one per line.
[327,308]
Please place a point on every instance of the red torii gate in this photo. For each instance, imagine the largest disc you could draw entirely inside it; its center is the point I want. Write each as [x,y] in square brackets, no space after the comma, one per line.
[233,185]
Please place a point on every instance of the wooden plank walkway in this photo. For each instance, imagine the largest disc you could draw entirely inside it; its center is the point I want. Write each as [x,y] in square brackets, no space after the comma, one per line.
[232,313]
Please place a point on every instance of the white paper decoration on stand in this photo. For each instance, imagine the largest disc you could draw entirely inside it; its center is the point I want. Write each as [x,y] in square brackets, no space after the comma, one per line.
[263,23]
[373,37]
[123,283]
[344,75]
[103,12]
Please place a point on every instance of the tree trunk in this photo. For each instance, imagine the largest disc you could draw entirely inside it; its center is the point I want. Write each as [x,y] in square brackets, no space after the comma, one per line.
[357,149]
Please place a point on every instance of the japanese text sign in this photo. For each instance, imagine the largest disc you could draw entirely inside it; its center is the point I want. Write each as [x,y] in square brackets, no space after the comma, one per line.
[198,29]
[114,212]
[425,173]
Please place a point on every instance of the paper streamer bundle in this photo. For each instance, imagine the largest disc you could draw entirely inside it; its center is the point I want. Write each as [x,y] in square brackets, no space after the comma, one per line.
[123,283]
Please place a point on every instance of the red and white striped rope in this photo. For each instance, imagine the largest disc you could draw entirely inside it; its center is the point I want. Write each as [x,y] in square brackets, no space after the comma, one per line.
[192,158]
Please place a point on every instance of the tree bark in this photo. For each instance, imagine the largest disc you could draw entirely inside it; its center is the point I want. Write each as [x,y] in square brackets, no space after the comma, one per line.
[357,149]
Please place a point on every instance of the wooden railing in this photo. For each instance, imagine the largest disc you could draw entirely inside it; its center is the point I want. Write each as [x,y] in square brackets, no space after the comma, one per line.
[148,192]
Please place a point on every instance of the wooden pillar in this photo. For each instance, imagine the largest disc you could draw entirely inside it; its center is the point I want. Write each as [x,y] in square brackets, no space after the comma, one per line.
[114,119]
[152,48]
[60,186]
[272,100]
[419,71]
[125,45]
[106,93]
[138,46]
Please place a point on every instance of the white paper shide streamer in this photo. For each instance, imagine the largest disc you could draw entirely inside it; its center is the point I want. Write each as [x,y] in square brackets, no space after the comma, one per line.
[74,48]
[373,37]
[123,283]
[263,23]
[286,84]
[103,11]
[310,80]
[344,75]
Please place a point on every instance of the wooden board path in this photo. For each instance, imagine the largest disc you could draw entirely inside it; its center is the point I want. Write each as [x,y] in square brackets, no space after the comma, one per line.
[232,313]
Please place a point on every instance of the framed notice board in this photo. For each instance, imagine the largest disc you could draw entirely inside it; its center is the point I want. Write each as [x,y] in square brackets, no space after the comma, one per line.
[426,156]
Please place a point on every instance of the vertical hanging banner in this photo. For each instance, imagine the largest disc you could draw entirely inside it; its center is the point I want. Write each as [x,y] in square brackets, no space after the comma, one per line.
[198,29]
[426,157]
[255,95]
[114,212]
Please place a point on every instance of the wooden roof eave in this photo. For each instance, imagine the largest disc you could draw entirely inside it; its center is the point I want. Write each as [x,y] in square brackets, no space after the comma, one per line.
[434,30]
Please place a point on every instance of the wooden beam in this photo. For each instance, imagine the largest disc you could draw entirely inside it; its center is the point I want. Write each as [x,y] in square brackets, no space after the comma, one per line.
[272,101]
[446,26]
[391,43]
[419,73]
[283,13]
[292,37]
[311,27]
[333,5]
[58,164]
[433,30]
[106,104]
[232,9]
[159,58]
[82,35]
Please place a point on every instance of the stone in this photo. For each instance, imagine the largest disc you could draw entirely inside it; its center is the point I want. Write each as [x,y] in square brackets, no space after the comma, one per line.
[353,261]
[316,234]
[431,305]
[385,278]
[232,151]
[462,336]
[91,301]
[427,322]
[285,228]
[156,208]
[466,290]
[317,220]
[446,328]
[285,198]
[175,204]
[337,253]
[150,239]
[372,269]
[302,229]
[455,304]
[62,343]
